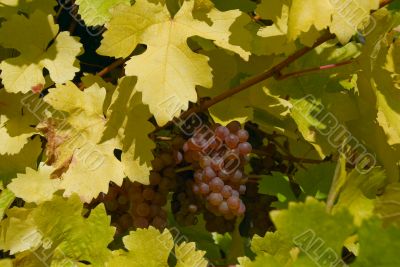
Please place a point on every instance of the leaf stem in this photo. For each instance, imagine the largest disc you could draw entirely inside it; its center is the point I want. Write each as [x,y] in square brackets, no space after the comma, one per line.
[289,157]
[306,71]
[335,186]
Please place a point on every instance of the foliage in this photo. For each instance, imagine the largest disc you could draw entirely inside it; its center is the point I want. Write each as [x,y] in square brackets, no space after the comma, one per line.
[93,93]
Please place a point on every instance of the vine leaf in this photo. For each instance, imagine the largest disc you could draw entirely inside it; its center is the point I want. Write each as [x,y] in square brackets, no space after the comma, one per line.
[359,193]
[349,17]
[316,180]
[277,185]
[136,157]
[304,223]
[225,69]
[187,255]
[374,249]
[268,244]
[12,144]
[306,235]
[86,166]
[57,228]
[10,165]
[17,119]
[388,205]
[387,91]
[31,37]
[141,245]
[6,199]
[97,12]
[380,129]
[145,247]
[10,7]
[168,70]
[304,14]
[90,79]
[307,18]
[128,119]
[35,185]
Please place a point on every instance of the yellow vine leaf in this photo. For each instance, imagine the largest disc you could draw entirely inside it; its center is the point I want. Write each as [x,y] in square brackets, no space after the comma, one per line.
[187,255]
[168,71]
[81,141]
[306,13]
[35,185]
[31,37]
[150,247]
[146,247]
[350,16]
[128,119]
[86,167]
[10,165]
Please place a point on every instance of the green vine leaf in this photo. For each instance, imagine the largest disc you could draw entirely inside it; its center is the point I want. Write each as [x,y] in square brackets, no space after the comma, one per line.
[97,12]
[10,7]
[57,229]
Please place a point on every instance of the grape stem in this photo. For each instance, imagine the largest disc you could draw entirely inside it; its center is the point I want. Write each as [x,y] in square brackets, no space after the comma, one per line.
[60,9]
[163,138]
[183,169]
[271,138]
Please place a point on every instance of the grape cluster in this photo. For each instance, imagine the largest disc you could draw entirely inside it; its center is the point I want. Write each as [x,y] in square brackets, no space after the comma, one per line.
[116,202]
[218,156]
[147,201]
[134,205]
[185,205]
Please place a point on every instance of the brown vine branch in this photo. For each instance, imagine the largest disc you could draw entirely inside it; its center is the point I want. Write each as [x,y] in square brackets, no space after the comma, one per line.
[306,71]
[91,64]
[106,70]
[111,67]
[74,22]
[384,3]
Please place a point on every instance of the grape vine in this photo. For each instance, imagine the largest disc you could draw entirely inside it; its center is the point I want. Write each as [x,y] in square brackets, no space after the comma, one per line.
[196,133]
